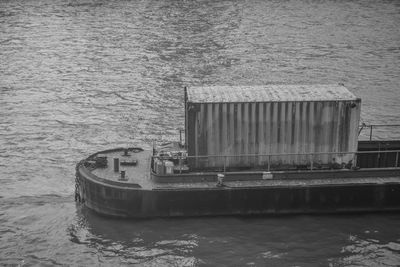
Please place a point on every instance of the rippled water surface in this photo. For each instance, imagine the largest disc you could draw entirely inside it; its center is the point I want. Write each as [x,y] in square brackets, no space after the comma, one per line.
[78,76]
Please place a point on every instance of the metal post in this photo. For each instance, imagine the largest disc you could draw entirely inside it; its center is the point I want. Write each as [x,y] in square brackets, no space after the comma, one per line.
[397,159]
[180,137]
[354,160]
[224,164]
[312,162]
[378,157]
[269,162]
[370,132]
[180,164]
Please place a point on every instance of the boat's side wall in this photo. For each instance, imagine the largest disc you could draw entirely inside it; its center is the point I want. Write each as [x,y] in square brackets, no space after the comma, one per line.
[277,200]
[108,199]
[136,202]
[271,128]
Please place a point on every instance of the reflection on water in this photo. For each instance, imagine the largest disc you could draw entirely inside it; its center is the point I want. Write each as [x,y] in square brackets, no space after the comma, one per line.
[269,240]
[78,76]
[144,242]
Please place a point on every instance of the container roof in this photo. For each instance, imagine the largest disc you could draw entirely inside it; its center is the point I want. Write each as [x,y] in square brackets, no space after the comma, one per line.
[269,93]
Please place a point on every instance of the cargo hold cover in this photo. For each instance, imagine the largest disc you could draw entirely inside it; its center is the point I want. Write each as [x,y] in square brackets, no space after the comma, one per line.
[248,123]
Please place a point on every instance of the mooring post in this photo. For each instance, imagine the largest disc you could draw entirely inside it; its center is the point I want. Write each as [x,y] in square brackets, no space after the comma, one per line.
[116,164]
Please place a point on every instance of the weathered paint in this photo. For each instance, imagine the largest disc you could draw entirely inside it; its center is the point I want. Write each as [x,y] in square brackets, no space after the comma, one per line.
[307,198]
[278,120]
[245,193]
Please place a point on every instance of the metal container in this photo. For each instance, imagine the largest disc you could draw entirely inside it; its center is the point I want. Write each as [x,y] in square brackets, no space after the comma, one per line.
[253,126]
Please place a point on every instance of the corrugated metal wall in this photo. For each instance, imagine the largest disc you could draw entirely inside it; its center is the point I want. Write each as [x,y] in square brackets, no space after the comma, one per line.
[271,128]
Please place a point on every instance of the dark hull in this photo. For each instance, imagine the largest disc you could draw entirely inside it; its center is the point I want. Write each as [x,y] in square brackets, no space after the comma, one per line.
[375,189]
[313,198]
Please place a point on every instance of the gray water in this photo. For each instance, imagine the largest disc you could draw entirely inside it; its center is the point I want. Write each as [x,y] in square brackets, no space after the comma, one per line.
[78,76]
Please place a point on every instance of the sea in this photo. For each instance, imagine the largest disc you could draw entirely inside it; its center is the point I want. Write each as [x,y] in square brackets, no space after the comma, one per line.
[78,76]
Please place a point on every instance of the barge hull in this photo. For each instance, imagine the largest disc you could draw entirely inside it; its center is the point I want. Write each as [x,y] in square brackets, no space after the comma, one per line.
[358,196]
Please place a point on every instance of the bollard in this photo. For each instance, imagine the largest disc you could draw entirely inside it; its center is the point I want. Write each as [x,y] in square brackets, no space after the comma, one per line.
[116,164]
[220,179]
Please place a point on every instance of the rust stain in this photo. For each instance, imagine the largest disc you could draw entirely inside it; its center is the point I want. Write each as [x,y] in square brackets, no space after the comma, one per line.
[291,120]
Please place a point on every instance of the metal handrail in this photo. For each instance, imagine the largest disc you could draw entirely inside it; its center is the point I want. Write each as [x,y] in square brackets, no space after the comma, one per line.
[290,154]
[371,126]
[311,156]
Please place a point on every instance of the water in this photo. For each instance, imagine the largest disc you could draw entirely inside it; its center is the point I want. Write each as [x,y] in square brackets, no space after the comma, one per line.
[79,76]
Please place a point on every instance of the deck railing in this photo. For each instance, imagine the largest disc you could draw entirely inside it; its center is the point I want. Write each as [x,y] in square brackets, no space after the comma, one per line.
[370,127]
[359,159]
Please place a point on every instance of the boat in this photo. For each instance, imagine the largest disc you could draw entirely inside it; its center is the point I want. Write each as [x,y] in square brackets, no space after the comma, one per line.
[250,150]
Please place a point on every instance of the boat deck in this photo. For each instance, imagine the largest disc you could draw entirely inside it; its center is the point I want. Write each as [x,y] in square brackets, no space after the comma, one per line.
[140,176]
[134,174]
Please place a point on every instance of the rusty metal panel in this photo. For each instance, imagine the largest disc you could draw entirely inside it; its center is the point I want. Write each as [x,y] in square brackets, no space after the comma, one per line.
[222,124]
